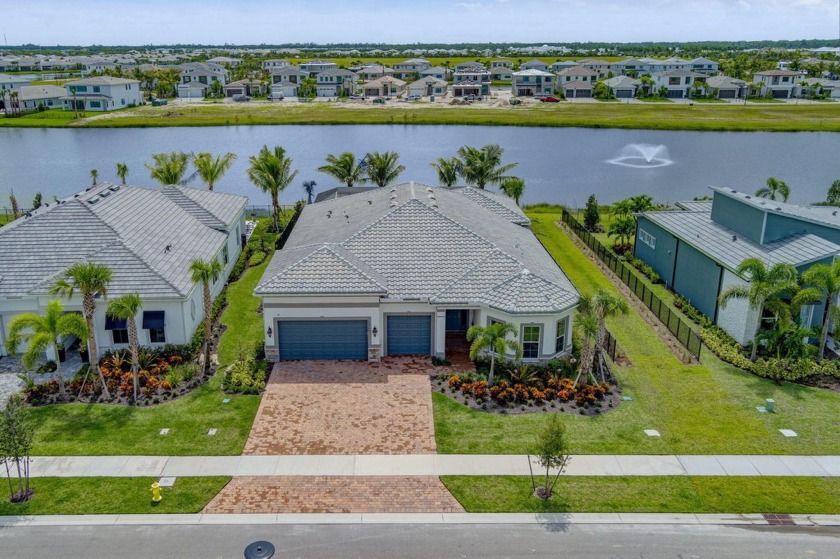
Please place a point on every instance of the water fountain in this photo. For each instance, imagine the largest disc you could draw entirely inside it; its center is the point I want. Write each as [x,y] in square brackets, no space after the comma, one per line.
[642,156]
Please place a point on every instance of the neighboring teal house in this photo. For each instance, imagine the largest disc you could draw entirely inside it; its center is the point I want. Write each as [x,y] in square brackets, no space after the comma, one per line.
[697,249]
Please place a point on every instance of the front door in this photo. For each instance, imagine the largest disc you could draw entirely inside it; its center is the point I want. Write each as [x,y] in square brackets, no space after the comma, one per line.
[457,320]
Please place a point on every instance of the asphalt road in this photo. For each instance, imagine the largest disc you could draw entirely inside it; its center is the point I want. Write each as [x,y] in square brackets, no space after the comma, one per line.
[410,541]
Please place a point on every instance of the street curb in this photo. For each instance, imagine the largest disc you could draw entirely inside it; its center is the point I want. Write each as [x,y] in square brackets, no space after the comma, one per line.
[687,519]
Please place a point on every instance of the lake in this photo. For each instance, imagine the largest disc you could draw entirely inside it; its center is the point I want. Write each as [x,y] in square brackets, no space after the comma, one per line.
[560,165]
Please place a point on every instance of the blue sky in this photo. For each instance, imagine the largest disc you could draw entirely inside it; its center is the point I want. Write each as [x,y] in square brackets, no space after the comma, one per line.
[406,21]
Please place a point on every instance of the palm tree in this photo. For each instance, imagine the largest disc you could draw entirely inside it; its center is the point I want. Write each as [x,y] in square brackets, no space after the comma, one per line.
[126,308]
[483,166]
[764,286]
[602,305]
[94,174]
[587,326]
[271,172]
[641,203]
[513,187]
[206,273]
[623,208]
[448,170]
[212,169]
[494,339]
[42,332]
[623,228]
[91,280]
[383,168]
[122,171]
[345,168]
[309,188]
[169,168]
[774,188]
[824,282]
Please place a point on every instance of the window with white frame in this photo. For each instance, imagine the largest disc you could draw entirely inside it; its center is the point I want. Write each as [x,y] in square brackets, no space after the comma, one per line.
[560,340]
[647,238]
[531,342]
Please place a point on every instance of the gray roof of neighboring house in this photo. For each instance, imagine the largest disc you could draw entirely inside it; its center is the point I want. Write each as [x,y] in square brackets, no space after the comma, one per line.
[379,82]
[287,71]
[822,215]
[457,245]
[340,191]
[428,80]
[337,72]
[577,85]
[680,73]
[620,82]
[32,92]
[125,228]
[729,249]
[102,80]
[13,79]
[578,71]
[725,82]
[696,205]
[532,72]
[779,73]
[433,70]
[533,63]
[240,83]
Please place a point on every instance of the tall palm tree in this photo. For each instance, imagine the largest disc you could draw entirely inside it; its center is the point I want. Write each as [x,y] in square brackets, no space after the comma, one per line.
[587,326]
[448,170]
[622,208]
[345,168]
[271,172]
[309,189]
[495,339]
[775,188]
[513,187]
[383,168]
[206,272]
[483,166]
[623,229]
[168,168]
[126,308]
[641,203]
[602,305]
[42,332]
[91,280]
[94,174]
[212,169]
[122,171]
[764,286]
[824,282]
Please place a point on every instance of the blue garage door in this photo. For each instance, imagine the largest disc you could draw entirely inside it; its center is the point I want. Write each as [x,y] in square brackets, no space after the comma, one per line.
[409,335]
[323,339]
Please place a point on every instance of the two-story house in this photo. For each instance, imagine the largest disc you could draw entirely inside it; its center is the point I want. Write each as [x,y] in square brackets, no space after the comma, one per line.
[534,65]
[437,72]
[577,81]
[471,80]
[409,68]
[12,83]
[704,66]
[286,81]
[102,93]
[315,67]
[532,83]
[374,72]
[779,84]
[677,83]
[274,64]
[336,82]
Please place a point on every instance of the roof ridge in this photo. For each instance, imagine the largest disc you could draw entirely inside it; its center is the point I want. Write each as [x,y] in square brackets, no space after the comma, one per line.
[148,265]
[170,192]
[495,252]
[330,248]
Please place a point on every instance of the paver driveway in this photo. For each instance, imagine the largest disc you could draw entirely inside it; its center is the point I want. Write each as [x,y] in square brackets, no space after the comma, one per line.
[346,407]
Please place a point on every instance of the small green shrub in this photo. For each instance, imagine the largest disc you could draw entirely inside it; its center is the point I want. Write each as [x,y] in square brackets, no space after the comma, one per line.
[256,258]
[247,375]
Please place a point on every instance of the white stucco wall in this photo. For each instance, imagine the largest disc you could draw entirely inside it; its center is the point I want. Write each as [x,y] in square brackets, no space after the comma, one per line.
[737,318]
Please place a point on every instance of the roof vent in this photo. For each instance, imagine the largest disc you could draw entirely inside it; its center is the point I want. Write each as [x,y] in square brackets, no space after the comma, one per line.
[734,238]
[429,189]
[93,200]
[394,203]
[748,197]
[370,202]
[329,214]
[168,248]
[104,194]
[834,212]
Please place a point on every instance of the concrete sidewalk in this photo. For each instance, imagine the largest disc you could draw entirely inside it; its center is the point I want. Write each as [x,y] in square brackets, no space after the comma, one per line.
[429,465]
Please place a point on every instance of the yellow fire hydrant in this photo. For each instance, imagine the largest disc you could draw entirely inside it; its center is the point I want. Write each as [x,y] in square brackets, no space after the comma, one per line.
[156,496]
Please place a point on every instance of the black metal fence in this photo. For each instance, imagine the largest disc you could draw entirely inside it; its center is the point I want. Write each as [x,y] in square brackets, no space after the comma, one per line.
[675,323]
[611,346]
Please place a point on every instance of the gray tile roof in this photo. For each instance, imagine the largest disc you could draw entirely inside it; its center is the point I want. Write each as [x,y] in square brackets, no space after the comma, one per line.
[102,80]
[822,215]
[696,205]
[457,245]
[729,249]
[125,228]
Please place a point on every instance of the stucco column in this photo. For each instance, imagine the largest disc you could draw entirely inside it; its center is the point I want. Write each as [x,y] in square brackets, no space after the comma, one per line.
[440,333]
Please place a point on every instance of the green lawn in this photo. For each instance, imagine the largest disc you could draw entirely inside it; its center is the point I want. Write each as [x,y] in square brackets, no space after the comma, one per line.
[92,495]
[663,494]
[698,409]
[53,118]
[94,429]
[659,115]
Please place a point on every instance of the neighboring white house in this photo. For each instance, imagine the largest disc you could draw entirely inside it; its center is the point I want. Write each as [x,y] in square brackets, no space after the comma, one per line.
[383,87]
[34,96]
[438,72]
[203,73]
[286,81]
[398,270]
[623,87]
[12,83]
[147,237]
[678,83]
[779,84]
[534,65]
[704,66]
[727,87]
[532,83]
[576,74]
[315,67]
[102,93]
[409,68]
[274,63]
[336,82]
[428,86]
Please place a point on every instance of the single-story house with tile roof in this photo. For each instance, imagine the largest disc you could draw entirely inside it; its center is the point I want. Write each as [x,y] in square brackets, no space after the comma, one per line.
[245,87]
[697,249]
[727,87]
[399,270]
[383,87]
[623,87]
[428,86]
[147,236]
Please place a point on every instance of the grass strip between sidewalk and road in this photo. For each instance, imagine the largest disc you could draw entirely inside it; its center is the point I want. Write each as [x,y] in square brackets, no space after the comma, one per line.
[99,495]
[660,494]
[698,409]
[652,116]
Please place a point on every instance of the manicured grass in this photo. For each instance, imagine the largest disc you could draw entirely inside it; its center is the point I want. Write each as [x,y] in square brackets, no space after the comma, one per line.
[53,118]
[654,100]
[662,494]
[698,409]
[92,495]
[659,116]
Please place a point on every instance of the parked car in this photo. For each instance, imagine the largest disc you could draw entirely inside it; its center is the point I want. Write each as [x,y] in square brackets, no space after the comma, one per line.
[472,97]
[549,99]
[514,101]
[379,101]
[413,98]
[240,97]
[357,98]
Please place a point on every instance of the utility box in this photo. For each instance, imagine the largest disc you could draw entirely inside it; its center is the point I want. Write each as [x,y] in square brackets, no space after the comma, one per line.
[770,405]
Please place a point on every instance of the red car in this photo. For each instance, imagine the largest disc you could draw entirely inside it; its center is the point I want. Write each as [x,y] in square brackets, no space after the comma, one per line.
[549,99]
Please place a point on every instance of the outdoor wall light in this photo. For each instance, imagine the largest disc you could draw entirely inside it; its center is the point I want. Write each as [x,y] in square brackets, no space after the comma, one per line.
[374,331]
[269,331]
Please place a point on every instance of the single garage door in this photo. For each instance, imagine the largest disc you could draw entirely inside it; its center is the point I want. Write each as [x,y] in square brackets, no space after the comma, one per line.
[624,93]
[726,94]
[583,93]
[409,335]
[780,94]
[322,339]
[675,94]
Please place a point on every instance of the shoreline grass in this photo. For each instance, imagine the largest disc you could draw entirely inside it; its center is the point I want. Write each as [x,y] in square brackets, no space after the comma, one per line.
[654,116]
[659,494]
[101,495]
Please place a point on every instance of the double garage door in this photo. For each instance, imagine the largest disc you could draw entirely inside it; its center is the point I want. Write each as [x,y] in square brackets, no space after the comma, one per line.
[348,339]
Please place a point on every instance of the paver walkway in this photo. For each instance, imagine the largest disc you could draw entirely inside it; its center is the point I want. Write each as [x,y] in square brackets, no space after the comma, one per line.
[420,465]
[333,494]
[346,407]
